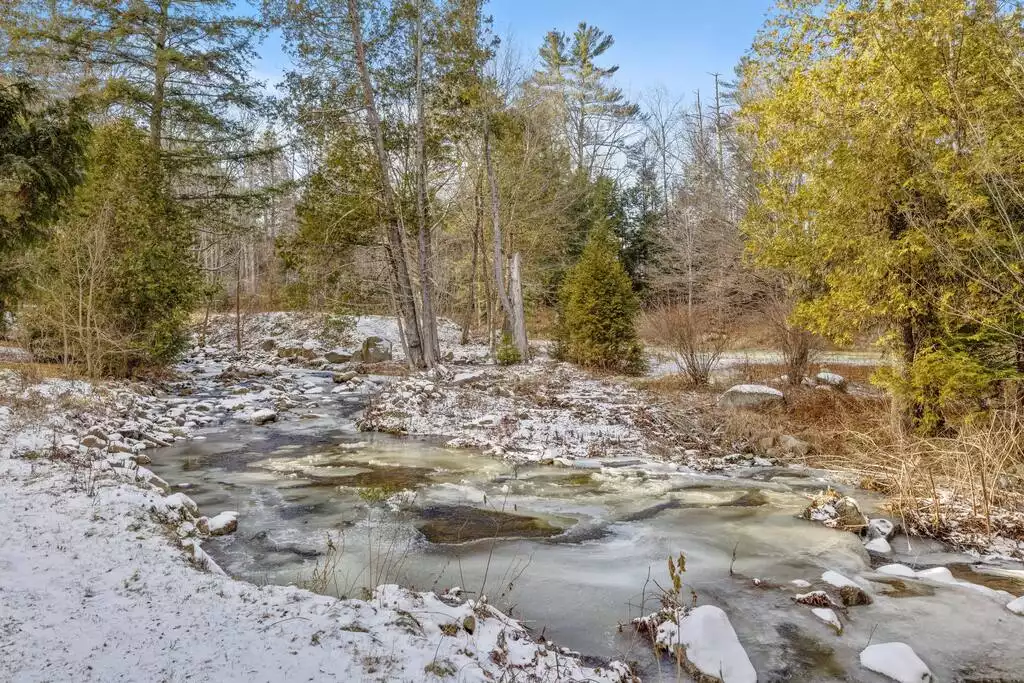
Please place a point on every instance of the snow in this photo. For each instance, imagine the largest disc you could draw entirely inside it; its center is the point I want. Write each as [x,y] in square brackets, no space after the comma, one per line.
[1017,606]
[838,580]
[84,575]
[878,545]
[829,617]
[755,389]
[710,644]
[222,523]
[897,570]
[897,661]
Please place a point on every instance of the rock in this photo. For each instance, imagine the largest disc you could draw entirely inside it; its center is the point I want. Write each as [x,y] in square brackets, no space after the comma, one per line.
[99,433]
[793,446]
[878,545]
[748,396]
[1017,606]
[375,350]
[829,617]
[342,377]
[262,416]
[92,441]
[180,506]
[750,499]
[119,447]
[896,661]
[830,379]
[468,377]
[814,599]
[337,356]
[853,596]
[881,528]
[836,511]
[707,642]
[268,345]
[223,524]
[142,459]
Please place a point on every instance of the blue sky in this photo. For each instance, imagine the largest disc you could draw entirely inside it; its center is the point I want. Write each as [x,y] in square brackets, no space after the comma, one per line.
[674,43]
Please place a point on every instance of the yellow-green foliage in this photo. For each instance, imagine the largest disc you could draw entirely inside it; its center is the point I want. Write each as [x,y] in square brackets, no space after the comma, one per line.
[887,140]
[114,287]
[599,307]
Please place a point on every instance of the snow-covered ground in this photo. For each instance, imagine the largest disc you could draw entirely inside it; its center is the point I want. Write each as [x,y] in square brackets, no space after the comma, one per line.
[94,587]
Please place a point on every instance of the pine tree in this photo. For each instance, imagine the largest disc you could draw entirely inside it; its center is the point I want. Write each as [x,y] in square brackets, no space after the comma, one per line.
[114,287]
[595,114]
[181,67]
[599,307]
[41,151]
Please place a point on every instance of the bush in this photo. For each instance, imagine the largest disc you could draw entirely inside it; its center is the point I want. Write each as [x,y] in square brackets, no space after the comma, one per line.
[114,288]
[694,338]
[598,309]
[507,353]
[942,386]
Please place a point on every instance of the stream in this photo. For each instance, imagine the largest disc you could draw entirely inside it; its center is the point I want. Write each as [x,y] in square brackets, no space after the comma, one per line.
[574,553]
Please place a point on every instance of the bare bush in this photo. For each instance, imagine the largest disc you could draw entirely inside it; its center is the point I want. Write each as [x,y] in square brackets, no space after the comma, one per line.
[695,339]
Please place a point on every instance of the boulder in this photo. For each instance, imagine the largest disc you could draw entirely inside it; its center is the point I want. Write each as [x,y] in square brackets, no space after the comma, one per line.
[836,511]
[337,356]
[881,528]
[830,379]
[92,441]
[375,350]
[878,545]
[262,416]
[896,661]
[220,525]
[342,377]
[750,396]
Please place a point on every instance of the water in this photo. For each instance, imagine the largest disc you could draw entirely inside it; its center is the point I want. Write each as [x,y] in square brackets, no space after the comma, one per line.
[297,483]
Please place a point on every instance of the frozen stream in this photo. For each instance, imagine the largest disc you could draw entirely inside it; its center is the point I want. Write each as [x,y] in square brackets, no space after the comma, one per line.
[609,532]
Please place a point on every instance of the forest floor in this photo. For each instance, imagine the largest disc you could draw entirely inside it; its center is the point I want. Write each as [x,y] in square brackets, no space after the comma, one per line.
[92,532]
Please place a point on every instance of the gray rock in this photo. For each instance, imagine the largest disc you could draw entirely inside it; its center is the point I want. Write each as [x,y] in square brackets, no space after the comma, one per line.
[830,379]
[375,350]
[793,446]
[337,356]
[750,396]
[93,441]
[342,377]
[881,528]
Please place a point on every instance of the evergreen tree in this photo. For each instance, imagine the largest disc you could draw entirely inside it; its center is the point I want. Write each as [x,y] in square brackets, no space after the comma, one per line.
[115,286]
[41,152]
[595,115]
[179,67]
[880,162]
[599,307]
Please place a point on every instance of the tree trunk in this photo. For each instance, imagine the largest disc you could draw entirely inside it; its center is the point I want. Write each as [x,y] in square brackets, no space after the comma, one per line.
[156,113]
[238,303]
[499,278]
[478,206]
[404,295]
[428,322]
[518,311]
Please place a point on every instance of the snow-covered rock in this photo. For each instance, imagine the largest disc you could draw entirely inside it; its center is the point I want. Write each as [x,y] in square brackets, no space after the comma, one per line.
[262,416]
[830,617]
[1017,606]
[222,524]
[744,396]
[830,379]
[836,511]
[878,545]
[880,527]
[897,661]
[709,644]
